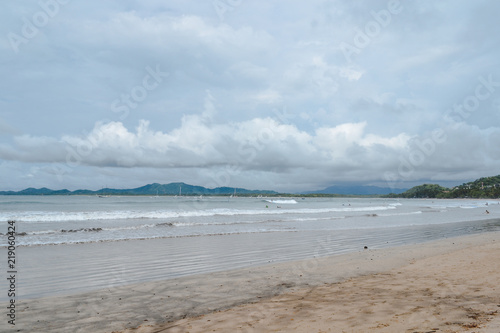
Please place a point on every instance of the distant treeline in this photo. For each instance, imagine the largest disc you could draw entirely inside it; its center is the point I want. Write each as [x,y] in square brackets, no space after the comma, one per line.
[487,188]
[150,189]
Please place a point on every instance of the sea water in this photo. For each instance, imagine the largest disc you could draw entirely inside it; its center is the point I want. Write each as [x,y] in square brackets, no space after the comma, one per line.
[69,244]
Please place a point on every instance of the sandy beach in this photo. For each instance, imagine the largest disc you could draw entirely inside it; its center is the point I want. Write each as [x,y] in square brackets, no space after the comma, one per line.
[452,292]
[450,285]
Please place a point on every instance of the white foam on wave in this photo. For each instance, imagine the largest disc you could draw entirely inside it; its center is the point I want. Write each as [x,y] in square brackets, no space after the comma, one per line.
[111,215]
[41,242]
[282,201]
[402,214]
[37,217]
[460,204]
[329,218]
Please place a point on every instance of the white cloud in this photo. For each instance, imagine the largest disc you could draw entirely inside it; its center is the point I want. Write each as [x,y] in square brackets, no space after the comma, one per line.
[265,146]
[268,96]
[350,73]
[349,121]
[198,142]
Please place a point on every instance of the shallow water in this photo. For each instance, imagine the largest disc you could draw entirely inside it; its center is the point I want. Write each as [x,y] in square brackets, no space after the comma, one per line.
[147,239]
[46,220]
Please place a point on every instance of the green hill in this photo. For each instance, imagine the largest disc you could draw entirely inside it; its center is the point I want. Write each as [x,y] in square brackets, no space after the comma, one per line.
[486,187]
[150,189]
[423,191]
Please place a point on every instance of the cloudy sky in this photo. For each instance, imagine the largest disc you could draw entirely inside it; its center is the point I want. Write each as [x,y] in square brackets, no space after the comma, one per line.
[284,95]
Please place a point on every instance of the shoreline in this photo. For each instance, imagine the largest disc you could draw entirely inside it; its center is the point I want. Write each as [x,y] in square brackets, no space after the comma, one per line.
[53,271]
[156,303]
[456,291]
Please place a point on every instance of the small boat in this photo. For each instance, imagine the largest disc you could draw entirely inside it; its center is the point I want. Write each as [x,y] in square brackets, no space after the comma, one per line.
[103,195]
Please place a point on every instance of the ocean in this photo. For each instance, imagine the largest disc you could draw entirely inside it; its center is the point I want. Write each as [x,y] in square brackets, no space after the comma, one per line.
[72,244]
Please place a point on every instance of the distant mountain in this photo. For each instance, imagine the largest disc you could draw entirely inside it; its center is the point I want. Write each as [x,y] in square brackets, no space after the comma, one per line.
[150,189]
[358,190]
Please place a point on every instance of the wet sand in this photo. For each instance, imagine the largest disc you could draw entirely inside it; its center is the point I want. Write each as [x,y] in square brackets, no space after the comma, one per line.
[450,285]
[46,271]
[453,292]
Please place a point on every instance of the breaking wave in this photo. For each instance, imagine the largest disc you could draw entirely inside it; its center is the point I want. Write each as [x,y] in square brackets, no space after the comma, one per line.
[35,217]
[282,201]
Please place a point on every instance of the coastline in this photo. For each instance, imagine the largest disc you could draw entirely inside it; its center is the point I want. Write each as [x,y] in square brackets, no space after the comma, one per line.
[159,305]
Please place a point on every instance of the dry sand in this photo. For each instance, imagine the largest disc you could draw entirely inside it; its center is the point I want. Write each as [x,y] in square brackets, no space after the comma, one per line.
[453,292]
[451,285]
